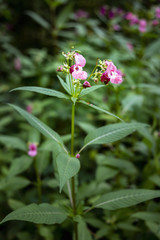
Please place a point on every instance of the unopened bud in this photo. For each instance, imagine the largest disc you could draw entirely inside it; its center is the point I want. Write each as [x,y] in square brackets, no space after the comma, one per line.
[86,84]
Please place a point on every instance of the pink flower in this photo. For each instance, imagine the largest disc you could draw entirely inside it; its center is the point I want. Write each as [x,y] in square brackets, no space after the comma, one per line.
[105,78]
[117,27]
[103,10]
[29,108]
[158,12]
[112,74]
[80,60]
[129,46]
[17,64]
[132,18]
[32,150]
[78,155]
[142,25]
[81,75]
[81,14]
[86,84]
[155,22]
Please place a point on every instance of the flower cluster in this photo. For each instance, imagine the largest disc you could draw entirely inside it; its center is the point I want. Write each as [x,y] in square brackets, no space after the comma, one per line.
[108,73]
[105,71]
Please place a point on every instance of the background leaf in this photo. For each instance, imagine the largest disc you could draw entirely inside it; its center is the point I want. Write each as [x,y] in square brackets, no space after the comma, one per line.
[125,198]
[40,214]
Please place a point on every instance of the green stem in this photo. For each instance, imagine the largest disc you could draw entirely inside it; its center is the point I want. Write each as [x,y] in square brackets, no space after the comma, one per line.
[73,180]
[92,73]
[38,181]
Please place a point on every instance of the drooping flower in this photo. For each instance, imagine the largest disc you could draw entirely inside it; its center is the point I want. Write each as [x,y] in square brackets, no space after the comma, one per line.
[86,84]
[103,10]
[80,60]
[112,74]
[129,46]
[17,64]
[32,150]
[77,69]
[142,25]
[116,27]
[29,108]
[158,12]
[81,14]
[78,155]
[105,78]
[155,22]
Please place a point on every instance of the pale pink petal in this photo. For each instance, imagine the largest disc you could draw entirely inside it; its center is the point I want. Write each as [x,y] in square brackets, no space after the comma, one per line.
[110,67]
[82,75]
[32,153]
[80,60]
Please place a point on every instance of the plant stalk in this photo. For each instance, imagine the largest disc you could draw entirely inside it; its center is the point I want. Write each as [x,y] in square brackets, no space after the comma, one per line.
[39,190]
[73,179]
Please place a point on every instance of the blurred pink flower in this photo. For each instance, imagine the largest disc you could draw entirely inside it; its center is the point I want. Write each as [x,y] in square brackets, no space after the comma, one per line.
[86,84]
[142,25]
[116,27]
[132,18]
[78,155]
[29,108]
[103,10]
[157,12]
[129,46]
[32,150]
[111,14]
[155,22]
[17,64]
[81,14]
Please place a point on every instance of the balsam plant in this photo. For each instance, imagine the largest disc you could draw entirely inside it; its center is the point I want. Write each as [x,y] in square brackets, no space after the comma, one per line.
[67,162]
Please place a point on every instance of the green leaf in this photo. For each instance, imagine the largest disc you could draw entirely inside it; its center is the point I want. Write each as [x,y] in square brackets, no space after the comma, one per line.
[40,214]
[104,173]
[151,216]
[150,88]
[64,85]
[45,91]
[64,16]
[13,184]
[13,142]
[110,133]
[37,18]
[90,89]
[67,167]
[125,198]
[83,232]
[19,165]
[43,128]
[100,109]
[124,165]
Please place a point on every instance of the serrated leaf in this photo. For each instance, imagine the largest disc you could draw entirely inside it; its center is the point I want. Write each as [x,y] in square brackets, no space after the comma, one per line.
[40,126]
[100,109]
[13,142]
[19,165]
[90,89]
[67,167]
[64,85]
[40,214]
[125,198]
[110,133]
[37,18]
[45,91]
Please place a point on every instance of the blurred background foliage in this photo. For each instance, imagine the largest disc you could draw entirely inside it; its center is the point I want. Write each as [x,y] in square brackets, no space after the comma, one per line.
[33,35]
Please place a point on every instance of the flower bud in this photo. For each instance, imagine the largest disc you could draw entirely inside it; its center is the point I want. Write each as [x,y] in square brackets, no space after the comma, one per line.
[86,84]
